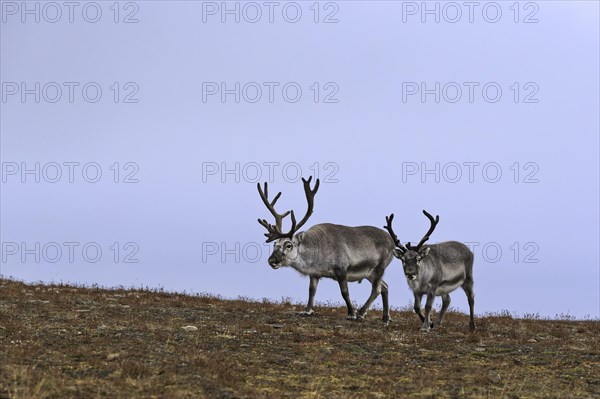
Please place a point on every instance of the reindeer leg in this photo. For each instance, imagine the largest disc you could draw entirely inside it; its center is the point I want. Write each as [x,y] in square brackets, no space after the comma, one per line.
[312,290]
[445,304]
[417,306]
[428,304]
[384,300]
[343,282]
[375,291]
[468,288]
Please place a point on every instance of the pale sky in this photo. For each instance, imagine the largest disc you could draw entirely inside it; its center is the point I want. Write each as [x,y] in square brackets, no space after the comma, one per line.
[488,118]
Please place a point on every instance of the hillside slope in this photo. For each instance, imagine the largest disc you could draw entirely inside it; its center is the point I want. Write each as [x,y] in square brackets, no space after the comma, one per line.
[61,341]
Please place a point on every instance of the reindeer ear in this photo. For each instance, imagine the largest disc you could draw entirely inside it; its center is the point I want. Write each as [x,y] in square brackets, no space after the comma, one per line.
[397,253]
[424,252]
[300,236]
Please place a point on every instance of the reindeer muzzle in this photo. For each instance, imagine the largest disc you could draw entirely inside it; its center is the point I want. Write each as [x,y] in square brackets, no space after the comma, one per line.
[274,262]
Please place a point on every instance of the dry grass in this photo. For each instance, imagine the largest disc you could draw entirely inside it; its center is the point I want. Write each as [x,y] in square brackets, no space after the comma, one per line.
[62,342]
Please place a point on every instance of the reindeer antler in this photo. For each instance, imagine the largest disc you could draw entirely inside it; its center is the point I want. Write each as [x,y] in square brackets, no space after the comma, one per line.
[397,242]
[433,223]
[274,231]
[310,199]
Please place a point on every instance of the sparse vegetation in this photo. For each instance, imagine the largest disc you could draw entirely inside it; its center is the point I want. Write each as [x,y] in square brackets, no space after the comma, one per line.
[60,341]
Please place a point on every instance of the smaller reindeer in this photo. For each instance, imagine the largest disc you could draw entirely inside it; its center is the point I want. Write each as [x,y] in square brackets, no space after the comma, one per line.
[435,270]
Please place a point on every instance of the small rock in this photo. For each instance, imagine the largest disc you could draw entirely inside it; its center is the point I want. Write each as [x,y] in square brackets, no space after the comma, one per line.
[112,356]
[532,340]
[189,328]
[480,349]
[495,377]
[276,325]
[244,346]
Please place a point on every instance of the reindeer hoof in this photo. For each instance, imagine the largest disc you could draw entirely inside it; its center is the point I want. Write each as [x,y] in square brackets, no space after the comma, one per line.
[386,319]
[425,329]
[306,313]
[351,317]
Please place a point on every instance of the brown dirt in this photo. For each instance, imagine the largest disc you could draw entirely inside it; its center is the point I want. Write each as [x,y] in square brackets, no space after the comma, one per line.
[60,341]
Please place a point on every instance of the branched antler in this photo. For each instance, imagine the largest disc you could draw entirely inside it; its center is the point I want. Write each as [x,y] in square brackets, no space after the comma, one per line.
[310,199]
[388,227]
[264,195]
[433,223]
[274,231]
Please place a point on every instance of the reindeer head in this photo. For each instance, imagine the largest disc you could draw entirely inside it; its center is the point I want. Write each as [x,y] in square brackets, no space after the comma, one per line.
[286,244]
[409,255]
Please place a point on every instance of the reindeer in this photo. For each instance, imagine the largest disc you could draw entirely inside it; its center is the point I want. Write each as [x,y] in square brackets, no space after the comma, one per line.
[328,250]
[435,270]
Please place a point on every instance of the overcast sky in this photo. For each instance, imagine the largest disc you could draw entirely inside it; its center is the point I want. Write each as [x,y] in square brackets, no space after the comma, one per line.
[132,138]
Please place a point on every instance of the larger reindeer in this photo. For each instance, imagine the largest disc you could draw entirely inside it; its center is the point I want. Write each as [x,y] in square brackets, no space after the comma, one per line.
[435,270]
[329,250]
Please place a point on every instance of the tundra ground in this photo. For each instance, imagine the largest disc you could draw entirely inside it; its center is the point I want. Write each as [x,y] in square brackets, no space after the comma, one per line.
[60,341]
